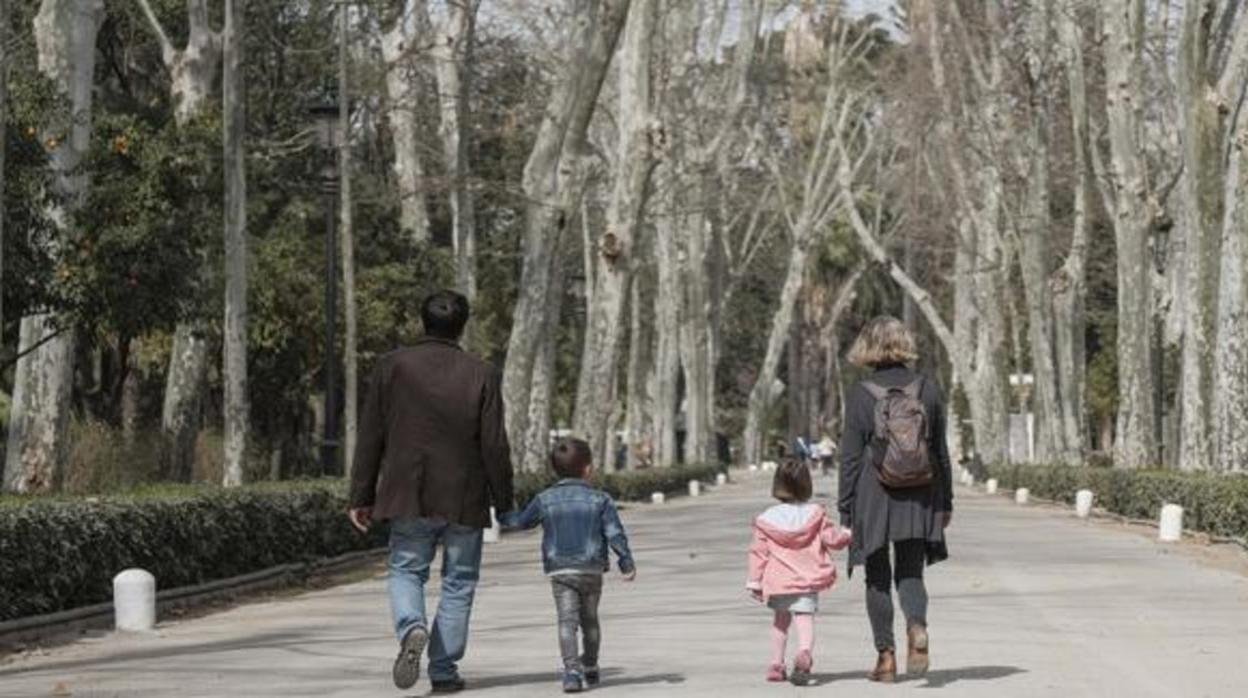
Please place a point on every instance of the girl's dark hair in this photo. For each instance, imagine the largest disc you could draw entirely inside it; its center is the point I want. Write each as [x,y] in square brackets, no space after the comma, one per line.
[792,482]
[571,457]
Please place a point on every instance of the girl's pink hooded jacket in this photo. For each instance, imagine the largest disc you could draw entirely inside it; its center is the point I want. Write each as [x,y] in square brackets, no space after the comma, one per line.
[790,553]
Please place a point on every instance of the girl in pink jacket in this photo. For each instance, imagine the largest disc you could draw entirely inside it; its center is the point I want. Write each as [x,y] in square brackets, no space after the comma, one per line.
[790,564]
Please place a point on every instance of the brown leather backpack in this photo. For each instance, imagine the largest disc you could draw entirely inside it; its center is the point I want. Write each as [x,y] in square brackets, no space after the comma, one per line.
[900,443]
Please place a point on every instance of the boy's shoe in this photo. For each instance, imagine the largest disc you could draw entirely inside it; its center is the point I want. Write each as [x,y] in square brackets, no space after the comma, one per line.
[407,664]
[917,660]
[801,668]
[454,685]
[593,677]
[573,682]
[776,673]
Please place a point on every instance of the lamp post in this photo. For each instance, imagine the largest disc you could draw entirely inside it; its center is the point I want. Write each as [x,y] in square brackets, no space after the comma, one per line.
[325,119]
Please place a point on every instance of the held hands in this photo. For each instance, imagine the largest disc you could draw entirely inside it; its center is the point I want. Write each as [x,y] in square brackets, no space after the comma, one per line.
[361,518]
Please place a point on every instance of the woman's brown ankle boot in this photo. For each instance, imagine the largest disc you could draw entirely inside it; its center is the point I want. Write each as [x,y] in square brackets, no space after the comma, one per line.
[917,660]
[885,668]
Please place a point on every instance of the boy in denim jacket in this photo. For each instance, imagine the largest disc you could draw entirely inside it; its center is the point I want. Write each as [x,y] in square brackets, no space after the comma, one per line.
[579,523]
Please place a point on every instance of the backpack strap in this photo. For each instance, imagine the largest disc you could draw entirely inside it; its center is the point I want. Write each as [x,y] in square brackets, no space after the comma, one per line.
[915,389]
[877,391]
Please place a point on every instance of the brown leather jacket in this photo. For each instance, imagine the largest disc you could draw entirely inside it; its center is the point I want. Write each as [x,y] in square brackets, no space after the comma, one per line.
[432,442]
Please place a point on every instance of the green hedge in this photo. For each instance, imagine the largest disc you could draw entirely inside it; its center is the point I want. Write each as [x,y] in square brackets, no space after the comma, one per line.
[60,553]
[627,486]
[1216,504]
[57,554]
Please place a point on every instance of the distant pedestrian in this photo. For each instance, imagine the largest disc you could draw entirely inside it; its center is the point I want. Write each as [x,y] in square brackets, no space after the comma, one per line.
[432,458]
[790,562]
[896,487]
[579,525]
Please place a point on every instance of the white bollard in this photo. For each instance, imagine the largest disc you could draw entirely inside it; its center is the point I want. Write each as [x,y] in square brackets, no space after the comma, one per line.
[134,600]
[1021,495]
[721,479]
[991,486]
[658,498]
[695,488]
[492,533]
[1171,528]
[753,468]
[1083,503]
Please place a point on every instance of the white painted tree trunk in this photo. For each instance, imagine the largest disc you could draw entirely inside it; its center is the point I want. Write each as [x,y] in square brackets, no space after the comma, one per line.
[452,55]
[1134,210]
[616,248]
[193,71]
[237,420]
[350,355]
[401,48]
[65,33]
[554,180]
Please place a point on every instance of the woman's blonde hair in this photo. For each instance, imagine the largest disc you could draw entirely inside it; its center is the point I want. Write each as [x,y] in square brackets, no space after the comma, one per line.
[885,340]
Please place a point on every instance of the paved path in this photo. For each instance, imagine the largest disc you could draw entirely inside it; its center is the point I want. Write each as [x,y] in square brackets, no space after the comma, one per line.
[1032,603]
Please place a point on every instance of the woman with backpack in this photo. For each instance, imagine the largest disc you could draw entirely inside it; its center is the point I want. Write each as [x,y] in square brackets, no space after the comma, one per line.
[896,487]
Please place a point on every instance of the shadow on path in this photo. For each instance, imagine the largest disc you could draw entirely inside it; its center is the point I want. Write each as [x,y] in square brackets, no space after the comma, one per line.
[934,679]
[610,679]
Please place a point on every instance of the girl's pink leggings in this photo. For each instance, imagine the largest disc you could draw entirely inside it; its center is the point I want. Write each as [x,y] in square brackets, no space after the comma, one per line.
[805,624]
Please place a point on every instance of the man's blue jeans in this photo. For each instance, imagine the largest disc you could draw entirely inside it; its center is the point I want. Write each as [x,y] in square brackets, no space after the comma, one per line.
[413,543]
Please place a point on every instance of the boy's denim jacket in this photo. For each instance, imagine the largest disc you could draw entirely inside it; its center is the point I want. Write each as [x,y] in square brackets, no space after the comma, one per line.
[578,523]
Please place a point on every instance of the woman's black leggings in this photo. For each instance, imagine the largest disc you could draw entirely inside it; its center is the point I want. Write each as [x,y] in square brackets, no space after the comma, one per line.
[907,573]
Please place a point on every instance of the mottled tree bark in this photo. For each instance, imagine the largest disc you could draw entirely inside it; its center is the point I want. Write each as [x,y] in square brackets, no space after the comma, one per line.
[350,354]
[554,180]
[65,33]
[401,48]
[4,124]
[452,54]
[1135,209]
[193,71]
[237,422]
[616,248]
[667,304]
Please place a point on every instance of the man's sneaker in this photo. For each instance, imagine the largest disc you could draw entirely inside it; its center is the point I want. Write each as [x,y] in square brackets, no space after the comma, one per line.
[801,668]
[573,682]
[407,664]
[776,673]
[593,677]
[454,685]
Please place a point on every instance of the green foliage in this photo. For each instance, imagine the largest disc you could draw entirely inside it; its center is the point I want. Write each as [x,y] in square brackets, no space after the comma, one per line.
[152,206]
[57,554]
[1213,503]
[627,486]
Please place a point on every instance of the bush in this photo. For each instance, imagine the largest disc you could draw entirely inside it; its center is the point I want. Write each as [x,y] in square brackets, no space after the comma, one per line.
[1212,503]
[628,486]
[61,553]
[57,554]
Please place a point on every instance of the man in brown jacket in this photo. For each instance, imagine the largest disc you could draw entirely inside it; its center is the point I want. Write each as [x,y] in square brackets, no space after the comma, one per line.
[432,458]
